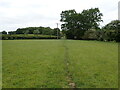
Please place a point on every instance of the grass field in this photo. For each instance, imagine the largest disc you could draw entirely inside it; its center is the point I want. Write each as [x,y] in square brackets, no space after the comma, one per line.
[59,64]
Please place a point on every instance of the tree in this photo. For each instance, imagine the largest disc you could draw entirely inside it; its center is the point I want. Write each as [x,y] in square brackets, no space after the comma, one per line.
[26,32]
[11,32]
[31,29]
[113,30]
[91,18]
[40,30]
[4,32]
[113,25]
[75,24]
[69,22]
[20,31]
[36,31]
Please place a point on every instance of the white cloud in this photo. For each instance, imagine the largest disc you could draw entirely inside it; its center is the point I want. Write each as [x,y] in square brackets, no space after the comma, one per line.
[29,13]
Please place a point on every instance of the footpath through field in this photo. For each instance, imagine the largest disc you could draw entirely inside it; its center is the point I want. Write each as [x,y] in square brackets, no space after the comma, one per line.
[66,60]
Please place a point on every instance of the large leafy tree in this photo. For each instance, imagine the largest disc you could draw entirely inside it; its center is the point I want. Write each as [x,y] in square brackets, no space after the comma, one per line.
[91,18]
[68,18]
[75,24]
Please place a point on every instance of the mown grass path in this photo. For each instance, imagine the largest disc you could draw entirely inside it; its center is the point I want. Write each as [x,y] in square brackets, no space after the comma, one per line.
[67,62]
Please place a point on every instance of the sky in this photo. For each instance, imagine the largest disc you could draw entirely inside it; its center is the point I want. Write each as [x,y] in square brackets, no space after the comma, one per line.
[16,14]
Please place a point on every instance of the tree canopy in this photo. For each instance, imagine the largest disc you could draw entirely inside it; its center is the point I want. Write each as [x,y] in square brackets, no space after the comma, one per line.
[36,30]
[75,24]
[112,30]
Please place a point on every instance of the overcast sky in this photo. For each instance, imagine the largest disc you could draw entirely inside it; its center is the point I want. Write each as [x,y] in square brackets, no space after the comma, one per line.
[34,13]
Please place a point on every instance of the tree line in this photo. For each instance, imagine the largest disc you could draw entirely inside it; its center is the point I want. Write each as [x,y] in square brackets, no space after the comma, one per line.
[35,30]
[32,33]
[86,26]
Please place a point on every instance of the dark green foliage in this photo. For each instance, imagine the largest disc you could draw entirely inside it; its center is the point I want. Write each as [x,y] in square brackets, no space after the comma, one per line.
[20,31]
[56,32]
[100,35]
[91,18]
[76,24]
[90,35]
[30,36]
[36,30]
[33,33]
[3,32]
[85,25]
[47,31]
[26,32]
[104,34]
[113,25]
[69,34]
[11,32]
[112,31]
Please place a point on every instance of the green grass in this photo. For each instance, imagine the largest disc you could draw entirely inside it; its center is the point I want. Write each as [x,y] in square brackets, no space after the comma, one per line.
[45,64]
[93,64]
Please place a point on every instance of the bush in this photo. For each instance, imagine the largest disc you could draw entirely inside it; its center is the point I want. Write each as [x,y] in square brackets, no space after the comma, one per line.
[90,35]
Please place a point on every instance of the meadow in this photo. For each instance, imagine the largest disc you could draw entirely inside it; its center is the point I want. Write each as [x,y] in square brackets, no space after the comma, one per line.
[59,64]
